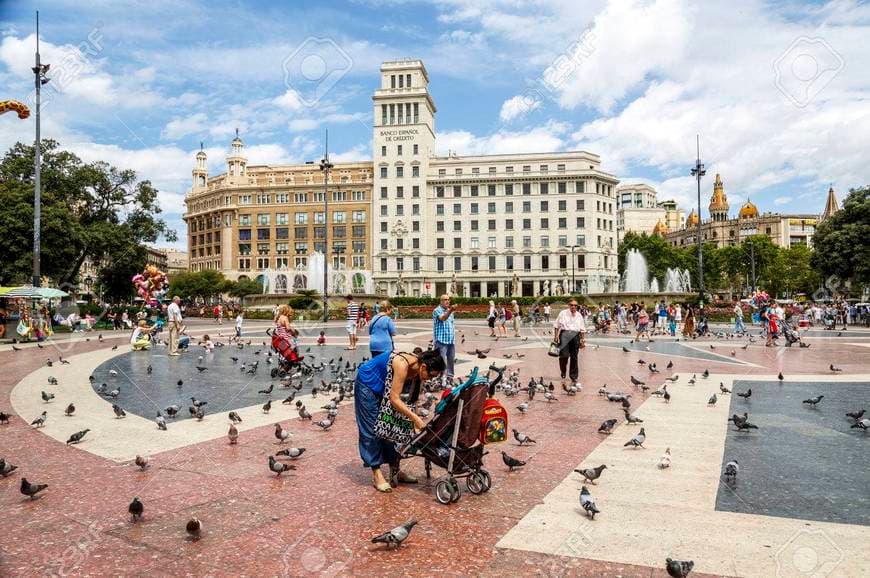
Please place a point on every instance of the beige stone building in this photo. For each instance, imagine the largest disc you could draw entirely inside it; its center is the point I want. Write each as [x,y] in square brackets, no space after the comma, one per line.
[265,223]
[639,211]
[784,230]
[176,261]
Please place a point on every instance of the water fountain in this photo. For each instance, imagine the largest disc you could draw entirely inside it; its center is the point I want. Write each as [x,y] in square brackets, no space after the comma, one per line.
[654,286]
[677,281]
[315,272]
[635,279]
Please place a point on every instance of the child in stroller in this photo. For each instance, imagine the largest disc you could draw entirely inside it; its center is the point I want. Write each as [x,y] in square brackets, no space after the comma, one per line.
[284,341]
[451,439]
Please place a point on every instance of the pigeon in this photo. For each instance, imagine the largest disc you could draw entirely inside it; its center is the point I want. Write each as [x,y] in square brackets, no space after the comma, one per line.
[289,399]
[731,469]
[673,378]
[197,403]
[149,369]
[47,397]
[304,413]
[40,421]
[267,407]
[200,368]
[292,453]
[511,462]
[814,400]
[607,426]
[856,415]
[235,418]
[745,395]
[279,467]
[31,490]
[670,365]
[6,468]
[119,413]
[160,421]
[780,376]
[325,424]
[523,438]
[678,568]
[523,407]
[550,397]
[281,434]
[70,409]
[171,410]
[396,536]
[712,401]
[723,389]
[835,369]
[114,393]
[16,348]
[636,382]
[268,390]
[745,425]
[706,374]
[864,424]
[141,462]
[52,380]
[113,373]
[179,383]
[135,509]
[626,349]
[630,418]
[665,461]
[77,437]
[588,503]
[591,474]
[636,441]
[667,396]
[233,434]
[4,417]
[198,413]
[194,529]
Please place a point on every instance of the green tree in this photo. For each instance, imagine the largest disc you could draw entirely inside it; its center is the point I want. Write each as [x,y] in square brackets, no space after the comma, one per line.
[842,242]
[201,284]
[88,210]
[243,287]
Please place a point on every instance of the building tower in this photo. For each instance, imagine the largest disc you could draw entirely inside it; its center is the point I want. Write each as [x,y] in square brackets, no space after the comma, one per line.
[831,205]
[200,171]
[236,161]
[718,202]
[403,141]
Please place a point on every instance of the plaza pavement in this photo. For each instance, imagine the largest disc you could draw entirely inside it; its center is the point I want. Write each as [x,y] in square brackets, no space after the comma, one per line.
[318,519]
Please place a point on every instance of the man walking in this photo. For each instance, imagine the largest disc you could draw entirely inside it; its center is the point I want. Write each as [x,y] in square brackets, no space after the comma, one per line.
[175,321]
[442,334]
[352,321]
[568,331]
[738,318]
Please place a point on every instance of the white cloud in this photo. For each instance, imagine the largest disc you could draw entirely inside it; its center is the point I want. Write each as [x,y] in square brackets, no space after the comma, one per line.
[782,201]
[289,101]
[518,106]
[181,127]
[302,124]
[539,139]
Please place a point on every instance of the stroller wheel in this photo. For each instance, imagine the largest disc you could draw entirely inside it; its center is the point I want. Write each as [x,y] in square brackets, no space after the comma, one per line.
[474,482]
[274,372]
[457,493]
[487,480]
[444,492]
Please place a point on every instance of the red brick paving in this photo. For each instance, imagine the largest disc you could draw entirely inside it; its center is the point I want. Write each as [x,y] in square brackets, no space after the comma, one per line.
[320,517]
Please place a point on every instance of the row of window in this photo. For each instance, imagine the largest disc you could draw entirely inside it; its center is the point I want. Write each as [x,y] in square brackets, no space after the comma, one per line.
[265,219]
[494,263]
[261,263]
[300,248]
[284,198]
[401,113]
[400,149]
[338,232]
[458,171]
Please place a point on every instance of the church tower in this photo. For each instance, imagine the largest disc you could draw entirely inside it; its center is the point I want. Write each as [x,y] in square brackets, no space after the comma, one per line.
[718,202]
[200,171]
[831,205]
[236,161]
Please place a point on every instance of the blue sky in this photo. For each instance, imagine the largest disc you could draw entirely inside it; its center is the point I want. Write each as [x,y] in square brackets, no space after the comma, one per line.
[778,92]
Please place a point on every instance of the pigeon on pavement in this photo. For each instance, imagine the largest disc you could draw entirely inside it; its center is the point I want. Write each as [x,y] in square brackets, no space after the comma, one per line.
[636,441]
[731,469]
[31,490]
[591,474]
[678,568]
[77,437]
[523,438]
[511,462]
[665,461]
[814,400]
[292,453]
[6,468]
[607,426]
[194,528]
[396,536]
[588,503]
[279,467]
[135,509]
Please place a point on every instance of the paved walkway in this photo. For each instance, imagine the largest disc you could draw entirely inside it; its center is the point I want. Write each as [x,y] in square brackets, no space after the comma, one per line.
[319,519]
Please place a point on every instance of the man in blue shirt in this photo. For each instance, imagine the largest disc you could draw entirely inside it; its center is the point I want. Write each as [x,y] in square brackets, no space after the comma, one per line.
[442,334]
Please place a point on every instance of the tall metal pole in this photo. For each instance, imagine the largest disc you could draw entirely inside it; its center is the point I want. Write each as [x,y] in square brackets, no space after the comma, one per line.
[698,172]
[325,166]
[39,71]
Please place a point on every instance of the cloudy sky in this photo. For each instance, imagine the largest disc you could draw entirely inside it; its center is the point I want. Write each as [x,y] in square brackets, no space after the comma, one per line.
[777,91]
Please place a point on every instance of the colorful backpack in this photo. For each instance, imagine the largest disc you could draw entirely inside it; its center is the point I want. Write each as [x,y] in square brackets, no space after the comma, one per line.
[493,422]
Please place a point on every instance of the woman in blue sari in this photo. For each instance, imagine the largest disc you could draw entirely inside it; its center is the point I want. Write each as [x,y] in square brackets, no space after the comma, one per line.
[386,376]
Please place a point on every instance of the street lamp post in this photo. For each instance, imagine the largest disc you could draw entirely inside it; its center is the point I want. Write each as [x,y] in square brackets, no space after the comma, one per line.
[573,263]
[325,167]
[698,171]
[39,72]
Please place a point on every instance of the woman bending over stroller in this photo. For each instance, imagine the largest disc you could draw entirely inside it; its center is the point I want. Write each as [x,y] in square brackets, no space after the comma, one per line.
[284,338]
[379,383]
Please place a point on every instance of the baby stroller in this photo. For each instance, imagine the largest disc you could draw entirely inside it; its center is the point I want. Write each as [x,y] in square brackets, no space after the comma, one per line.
[789,332]
[451,439]
[288,356]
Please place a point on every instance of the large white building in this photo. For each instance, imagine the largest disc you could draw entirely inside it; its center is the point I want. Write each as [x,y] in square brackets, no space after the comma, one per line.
[490,225]
[639,211]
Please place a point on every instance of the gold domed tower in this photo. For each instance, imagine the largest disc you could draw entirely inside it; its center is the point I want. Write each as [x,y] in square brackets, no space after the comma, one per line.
[692,219]
[660,229]
[748,211]
[719,202]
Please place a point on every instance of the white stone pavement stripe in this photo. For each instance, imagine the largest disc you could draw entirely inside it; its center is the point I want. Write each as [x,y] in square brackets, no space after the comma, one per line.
[650,514]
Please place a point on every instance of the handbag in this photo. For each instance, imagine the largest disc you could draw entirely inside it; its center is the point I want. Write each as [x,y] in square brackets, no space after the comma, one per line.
[553,350]
[390,425]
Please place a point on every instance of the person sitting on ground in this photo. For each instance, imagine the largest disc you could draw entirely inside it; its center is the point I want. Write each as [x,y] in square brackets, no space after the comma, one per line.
[321,339]
[140,339]
[207,343]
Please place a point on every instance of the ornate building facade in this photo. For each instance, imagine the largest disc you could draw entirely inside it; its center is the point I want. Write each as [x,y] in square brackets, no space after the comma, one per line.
[784,230]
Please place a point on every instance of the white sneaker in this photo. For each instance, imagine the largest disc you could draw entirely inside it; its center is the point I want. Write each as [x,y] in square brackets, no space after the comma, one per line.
[578,386]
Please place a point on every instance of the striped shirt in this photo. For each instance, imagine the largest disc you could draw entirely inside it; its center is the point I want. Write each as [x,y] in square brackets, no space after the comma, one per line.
[442,331]
[353,311]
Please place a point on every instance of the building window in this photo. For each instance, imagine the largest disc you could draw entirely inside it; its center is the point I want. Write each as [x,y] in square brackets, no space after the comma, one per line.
[492,262]
[359,217]
[527,206]
[509,262]
[457,263]
[545,241]
[474,208]
[439,243]
[474,263]
[508,190]
[581,222]
[474,190]
[439,192]
[383,264]
[383,192]
[416,147]
[415,243]
[509,207]
[400,172]
[415,171]
[563,223]
[527,262]
[509,242]
[415,262]
[339,217]
[509,224]
[399,150]
[475,243]
[580,187]
[383,172]
[563,240]
[439,226]
[527,224]
[263,218]
[527,188]
[474,225]
[490,189]
[415,226]
[282,233]
[244,220]
[457,190]
[400,210]
[439,264]
[263,234]
[457,243]
[544,188]
[545,262]
[359,246]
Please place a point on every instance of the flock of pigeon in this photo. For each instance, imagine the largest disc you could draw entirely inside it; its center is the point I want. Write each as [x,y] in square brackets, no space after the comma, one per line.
[341,374]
